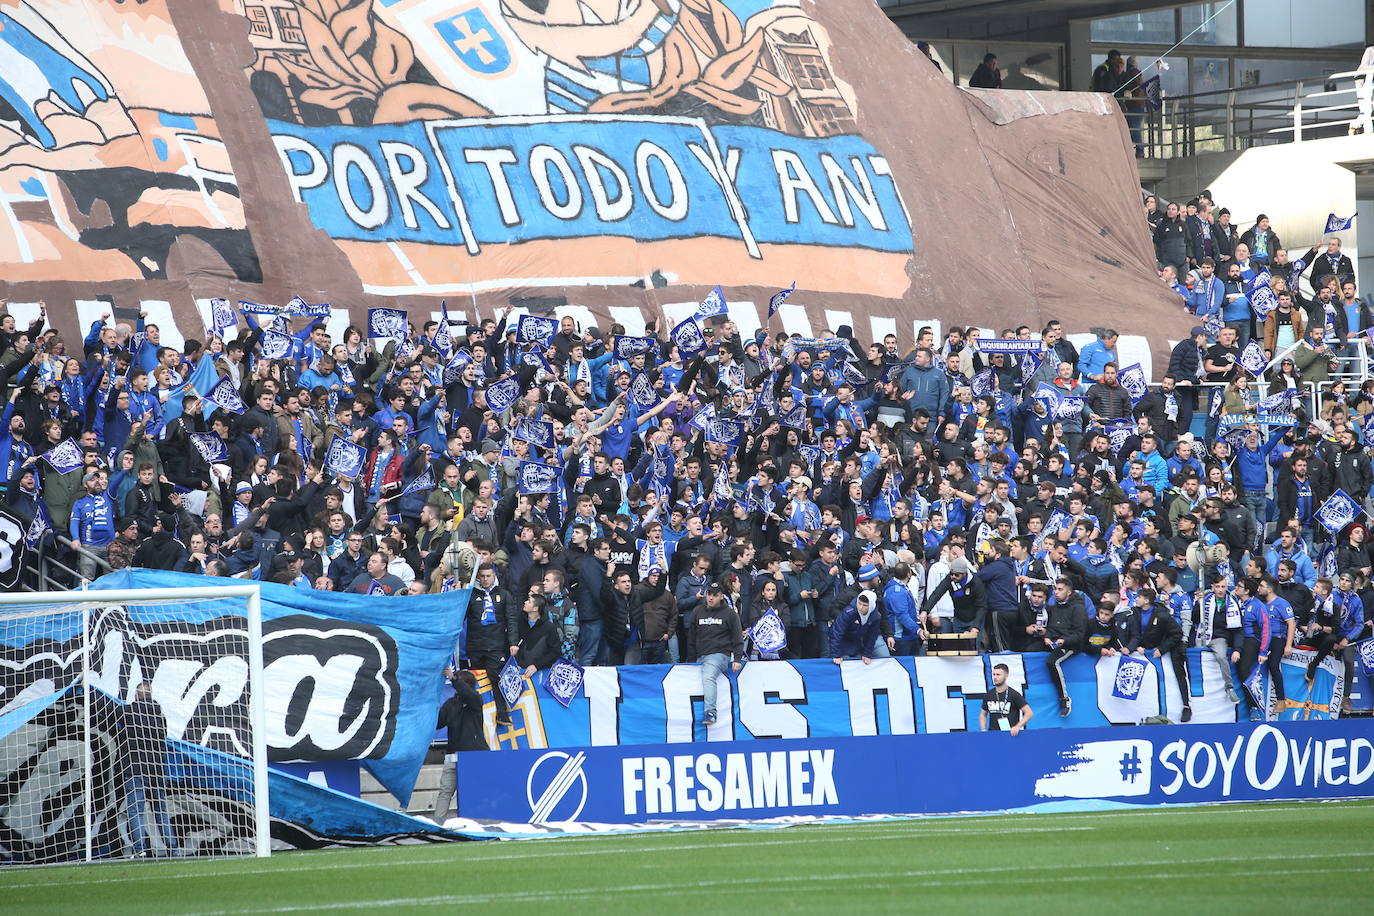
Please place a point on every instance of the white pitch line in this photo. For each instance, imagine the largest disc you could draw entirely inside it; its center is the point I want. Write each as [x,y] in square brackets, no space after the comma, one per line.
[598,851]
[915,828]
[1037,874]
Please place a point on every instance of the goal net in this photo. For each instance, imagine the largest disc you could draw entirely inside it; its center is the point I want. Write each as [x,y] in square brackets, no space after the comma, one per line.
[131,725]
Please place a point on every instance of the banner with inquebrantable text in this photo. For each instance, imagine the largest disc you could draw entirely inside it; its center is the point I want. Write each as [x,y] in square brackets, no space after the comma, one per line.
[1049,770]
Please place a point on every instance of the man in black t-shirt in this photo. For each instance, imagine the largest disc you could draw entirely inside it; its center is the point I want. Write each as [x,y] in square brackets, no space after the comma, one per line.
[1003,708]
[1221,359]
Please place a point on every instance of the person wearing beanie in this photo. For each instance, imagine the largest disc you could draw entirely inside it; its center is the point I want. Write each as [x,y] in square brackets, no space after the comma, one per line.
[969,595]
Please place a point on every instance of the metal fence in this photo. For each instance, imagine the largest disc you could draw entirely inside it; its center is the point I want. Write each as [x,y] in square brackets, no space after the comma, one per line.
[1234,120]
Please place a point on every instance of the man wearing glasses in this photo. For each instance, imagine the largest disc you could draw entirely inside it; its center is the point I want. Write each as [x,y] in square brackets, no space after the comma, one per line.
[345,569]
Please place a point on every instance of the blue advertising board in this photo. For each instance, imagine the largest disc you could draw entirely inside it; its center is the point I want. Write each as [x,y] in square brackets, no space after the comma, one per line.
[1141,765]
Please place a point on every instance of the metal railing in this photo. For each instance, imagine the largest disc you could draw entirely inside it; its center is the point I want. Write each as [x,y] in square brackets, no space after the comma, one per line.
[45,572]
[1234,120]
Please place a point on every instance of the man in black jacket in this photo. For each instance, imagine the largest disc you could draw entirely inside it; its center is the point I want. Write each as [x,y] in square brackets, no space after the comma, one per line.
[1163,636]
[461,714]
[162,550]
[624,609]
[714,636]
[487,627]
[1065,626]
[1168,409]
[592,585]
[143,752]
[969,596]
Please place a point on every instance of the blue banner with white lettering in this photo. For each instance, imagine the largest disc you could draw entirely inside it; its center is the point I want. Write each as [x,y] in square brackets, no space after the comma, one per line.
[646,704]
[1052,769]
[351,677]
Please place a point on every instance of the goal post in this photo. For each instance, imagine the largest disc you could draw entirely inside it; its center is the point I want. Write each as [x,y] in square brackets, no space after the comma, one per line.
[132,723]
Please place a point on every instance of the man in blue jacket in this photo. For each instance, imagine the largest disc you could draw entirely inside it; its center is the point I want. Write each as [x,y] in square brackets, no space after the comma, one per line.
[1003,598]
[856,629]
[93,523]
[925,385]
[900,606]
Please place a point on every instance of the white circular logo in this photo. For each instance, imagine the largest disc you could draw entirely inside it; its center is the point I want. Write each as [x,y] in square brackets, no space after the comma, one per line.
[555,785]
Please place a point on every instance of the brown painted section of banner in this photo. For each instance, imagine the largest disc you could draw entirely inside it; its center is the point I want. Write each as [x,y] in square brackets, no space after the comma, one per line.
[1022,206]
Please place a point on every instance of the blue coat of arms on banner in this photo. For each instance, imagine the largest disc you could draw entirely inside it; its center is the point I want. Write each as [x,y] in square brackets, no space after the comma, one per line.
[501,395]
[689,338]
[536,329]
[1132,378]
[210,446]
[225,395]
[64,456]
[276,345]
[1130,676]
[222,315]
[630,347]
[535,477]
[536,432]
[768,633]
[1338,511]
[512,684]
[563,681]
[386,324]
[344,458]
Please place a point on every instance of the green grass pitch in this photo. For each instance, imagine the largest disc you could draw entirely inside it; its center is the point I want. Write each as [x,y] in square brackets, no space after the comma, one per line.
[1253,859]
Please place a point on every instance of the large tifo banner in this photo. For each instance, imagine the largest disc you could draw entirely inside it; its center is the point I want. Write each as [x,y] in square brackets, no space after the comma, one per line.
[348,677]
[1050,770]
[652,704]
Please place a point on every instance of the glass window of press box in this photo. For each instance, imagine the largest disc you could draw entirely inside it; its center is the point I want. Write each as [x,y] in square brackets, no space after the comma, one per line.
[1267,24]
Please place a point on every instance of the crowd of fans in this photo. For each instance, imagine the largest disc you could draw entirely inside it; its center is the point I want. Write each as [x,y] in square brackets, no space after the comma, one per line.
[873,500]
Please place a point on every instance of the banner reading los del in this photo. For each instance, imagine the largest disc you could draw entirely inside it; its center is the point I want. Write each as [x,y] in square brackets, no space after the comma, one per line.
[487,145]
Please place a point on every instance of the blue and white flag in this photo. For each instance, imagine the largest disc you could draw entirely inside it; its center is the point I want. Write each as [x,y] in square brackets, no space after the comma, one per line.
[705,416]
[713,305]
[41,525]
[453,369]
[276,345]
[386,324]
[642,393]
[538,433]
[1367,434]
[1130,677]
[503,394]
[1029,364]
[1218,396]
[1260,281]
[809,453]
[1133,379]
[443,338]
[853,375]
[298,306]
[424,482]
[256,308]
[983,383]
[1328,562]
[222,315]
[1118,432]
[563,681]
[536,329]
[537,477]
[1335,223]
[64,456]
[1011,345]
[1364,653]
[512,682]
[630,347]
[1253,685]
[689,339]
[210,446]
[1263,301]
[223,394]
[777,299]
[726,432]
[534,356]
[344,458]
[768,633]
[1154,93]
[1338,511]
[1252,358]
[794,418]
[1056,522]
